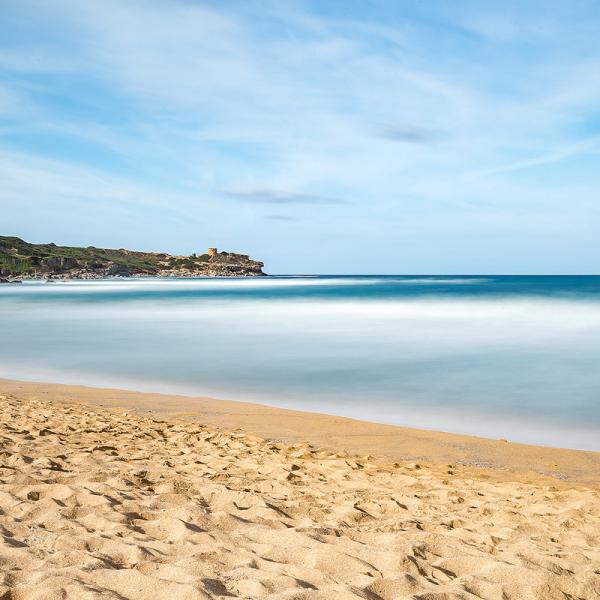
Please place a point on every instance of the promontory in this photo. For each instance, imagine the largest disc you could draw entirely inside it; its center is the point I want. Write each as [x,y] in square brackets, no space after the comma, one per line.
[22,260]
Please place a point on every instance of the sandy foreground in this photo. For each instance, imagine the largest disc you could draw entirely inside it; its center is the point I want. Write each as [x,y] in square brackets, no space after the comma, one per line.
[151,497]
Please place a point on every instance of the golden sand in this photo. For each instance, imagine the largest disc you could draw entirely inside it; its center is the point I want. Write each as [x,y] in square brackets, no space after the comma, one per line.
[107,502]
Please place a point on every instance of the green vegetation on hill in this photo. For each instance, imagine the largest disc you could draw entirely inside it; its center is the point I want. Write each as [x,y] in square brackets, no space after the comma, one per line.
[22,259]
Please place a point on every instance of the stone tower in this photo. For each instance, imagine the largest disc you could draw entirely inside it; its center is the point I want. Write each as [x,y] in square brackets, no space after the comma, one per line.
[212,252]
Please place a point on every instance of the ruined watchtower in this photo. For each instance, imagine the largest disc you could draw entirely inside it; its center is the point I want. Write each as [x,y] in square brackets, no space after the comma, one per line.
[212,252]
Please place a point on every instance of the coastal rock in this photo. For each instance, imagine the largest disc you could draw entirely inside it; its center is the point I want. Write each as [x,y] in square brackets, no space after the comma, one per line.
[117,270]
[58,263]
[229,264]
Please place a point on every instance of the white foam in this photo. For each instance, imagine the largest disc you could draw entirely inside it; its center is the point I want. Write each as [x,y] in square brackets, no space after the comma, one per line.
[155,283]
[438,281]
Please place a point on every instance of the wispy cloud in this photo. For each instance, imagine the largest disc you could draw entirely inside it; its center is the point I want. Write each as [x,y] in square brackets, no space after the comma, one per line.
[410,134]
[281,218]
[566,151]
[282,197]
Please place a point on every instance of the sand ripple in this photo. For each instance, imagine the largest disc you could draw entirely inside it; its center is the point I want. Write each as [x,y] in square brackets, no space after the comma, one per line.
[95,503]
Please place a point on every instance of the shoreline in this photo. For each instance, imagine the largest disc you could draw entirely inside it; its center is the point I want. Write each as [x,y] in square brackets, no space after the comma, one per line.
[92,277]
[483,457]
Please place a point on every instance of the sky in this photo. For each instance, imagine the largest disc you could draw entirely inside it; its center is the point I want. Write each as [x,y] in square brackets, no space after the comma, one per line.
[337,136]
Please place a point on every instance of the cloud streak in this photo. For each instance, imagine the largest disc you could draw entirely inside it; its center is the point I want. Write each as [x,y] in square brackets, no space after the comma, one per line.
[281,197]
[411,134]
[281,218]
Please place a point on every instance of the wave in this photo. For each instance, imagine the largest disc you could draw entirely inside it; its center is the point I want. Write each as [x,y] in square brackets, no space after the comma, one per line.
[208,283]
[551,312]
[450,281]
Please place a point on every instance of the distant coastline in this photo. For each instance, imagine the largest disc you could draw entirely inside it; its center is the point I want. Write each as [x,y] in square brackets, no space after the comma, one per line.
[21,260]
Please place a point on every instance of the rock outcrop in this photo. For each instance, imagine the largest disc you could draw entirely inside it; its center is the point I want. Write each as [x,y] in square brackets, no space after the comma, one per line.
[59,263]
[117,270]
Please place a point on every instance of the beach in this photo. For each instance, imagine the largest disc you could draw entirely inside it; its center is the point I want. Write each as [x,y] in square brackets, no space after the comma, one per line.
[118,494]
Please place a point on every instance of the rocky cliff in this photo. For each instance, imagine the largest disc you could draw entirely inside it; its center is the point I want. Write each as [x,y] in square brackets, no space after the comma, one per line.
[22,260]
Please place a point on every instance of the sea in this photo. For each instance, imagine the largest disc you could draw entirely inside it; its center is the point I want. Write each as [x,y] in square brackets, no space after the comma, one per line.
[506,357]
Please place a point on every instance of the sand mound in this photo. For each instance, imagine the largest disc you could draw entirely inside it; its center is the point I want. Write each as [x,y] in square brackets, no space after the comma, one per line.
[100,504]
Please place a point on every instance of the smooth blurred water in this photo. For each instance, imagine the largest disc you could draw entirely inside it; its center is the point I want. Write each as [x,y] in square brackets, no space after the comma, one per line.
[510,357]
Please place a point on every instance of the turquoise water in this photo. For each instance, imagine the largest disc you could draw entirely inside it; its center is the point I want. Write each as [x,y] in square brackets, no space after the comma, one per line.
[505,357]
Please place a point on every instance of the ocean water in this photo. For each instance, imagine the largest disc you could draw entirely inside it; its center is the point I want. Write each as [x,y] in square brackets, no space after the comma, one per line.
[503,357]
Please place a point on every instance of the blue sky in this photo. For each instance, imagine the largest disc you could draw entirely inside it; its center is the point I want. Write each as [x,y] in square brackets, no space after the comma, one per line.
[320,137]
